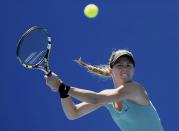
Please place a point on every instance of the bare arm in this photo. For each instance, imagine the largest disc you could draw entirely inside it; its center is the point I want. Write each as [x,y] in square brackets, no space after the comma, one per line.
[130,91]
[73,111]
[92,100]
[103,97]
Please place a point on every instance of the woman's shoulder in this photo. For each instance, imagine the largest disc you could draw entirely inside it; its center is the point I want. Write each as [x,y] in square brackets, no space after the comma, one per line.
[137,86]
[139,94]
[134,86]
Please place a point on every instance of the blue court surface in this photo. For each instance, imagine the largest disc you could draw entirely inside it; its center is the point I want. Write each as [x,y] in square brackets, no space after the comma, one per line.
[150,29]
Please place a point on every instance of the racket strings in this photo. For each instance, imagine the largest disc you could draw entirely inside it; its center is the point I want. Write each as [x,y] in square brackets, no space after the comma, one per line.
[35,58]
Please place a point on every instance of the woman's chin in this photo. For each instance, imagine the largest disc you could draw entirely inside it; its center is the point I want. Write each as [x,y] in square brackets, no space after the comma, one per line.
[125,79]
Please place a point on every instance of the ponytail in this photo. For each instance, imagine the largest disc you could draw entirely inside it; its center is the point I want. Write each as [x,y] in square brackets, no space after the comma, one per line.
[102,70]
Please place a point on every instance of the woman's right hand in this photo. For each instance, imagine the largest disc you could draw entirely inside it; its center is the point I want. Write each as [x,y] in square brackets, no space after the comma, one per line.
[53,81]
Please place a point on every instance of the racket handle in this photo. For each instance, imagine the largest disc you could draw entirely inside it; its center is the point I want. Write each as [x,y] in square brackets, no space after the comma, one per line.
[49,74]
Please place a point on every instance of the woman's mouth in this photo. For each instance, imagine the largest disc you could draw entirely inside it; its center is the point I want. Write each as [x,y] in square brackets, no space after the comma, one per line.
[124,75]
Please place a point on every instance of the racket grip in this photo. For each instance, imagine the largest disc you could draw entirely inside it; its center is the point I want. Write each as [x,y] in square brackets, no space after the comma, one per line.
[49,74]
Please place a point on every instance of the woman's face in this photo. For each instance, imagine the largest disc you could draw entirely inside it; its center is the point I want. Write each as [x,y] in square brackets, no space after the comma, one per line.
[123,70]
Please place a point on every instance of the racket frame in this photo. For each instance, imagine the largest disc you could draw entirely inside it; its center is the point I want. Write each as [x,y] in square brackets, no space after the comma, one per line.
[45,68]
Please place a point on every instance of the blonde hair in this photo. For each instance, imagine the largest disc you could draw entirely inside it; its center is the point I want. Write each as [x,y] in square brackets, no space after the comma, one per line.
[101,70]
[104,70]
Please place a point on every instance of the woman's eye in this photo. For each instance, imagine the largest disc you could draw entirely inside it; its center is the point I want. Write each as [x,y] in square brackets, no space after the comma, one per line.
[129,65]
[120,65]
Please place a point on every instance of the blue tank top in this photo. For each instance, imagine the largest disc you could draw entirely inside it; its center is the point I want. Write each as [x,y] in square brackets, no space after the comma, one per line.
[135,117]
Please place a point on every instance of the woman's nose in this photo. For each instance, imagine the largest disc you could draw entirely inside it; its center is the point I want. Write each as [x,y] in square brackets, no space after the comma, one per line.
[124,70]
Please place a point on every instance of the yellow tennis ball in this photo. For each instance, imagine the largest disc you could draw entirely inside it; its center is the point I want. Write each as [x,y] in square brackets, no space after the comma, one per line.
[91,11]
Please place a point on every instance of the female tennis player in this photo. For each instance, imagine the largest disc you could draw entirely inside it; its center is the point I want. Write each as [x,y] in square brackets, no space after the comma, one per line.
[128,102]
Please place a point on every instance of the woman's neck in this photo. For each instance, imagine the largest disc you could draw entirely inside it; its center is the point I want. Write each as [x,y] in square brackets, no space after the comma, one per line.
[119,83]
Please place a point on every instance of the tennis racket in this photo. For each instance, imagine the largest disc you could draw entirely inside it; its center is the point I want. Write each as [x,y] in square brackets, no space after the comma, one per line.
[33,49]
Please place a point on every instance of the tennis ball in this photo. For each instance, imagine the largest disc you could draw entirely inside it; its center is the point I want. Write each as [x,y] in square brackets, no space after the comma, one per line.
[91,11]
